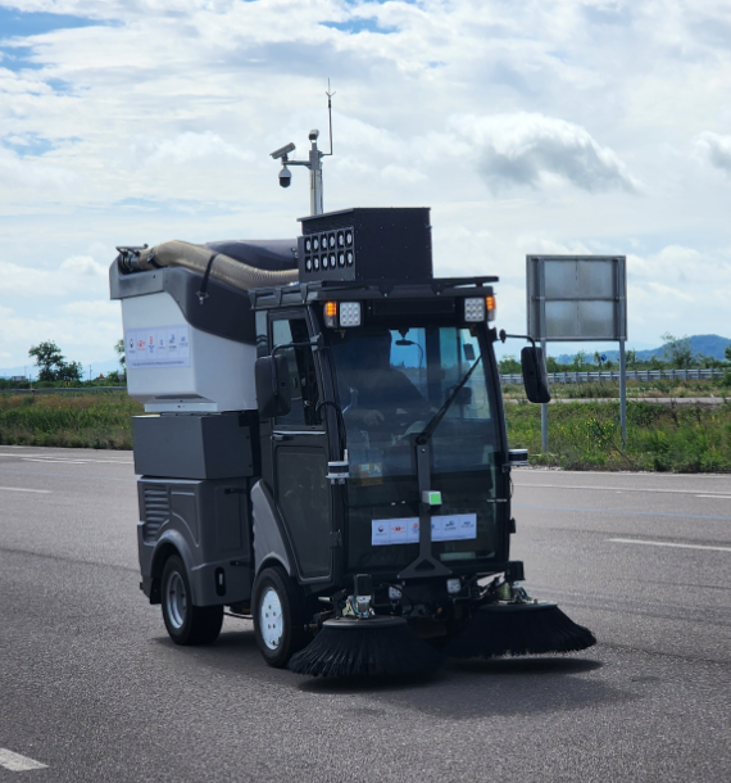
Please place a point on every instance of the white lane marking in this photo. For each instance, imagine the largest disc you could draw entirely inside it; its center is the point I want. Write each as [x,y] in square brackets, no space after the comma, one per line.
[47,459]
[620,490]
[23,489]
[67,461]
[17,763]
[40,458]
[669,544]
[717,497]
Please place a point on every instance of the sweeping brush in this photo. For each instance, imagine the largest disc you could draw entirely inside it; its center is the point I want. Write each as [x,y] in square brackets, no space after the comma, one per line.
[376,646]
[519,629]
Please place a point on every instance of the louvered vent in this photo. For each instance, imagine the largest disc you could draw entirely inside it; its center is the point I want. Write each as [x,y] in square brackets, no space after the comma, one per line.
[157,511]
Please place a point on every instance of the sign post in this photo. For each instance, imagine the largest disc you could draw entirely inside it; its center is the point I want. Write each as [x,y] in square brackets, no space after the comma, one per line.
[575,298]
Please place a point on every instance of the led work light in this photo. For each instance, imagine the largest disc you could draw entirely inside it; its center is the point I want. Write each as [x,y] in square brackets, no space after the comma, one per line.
[479,309]
[349,314]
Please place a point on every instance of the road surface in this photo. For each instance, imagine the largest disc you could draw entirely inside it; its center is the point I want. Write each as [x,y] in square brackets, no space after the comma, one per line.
[91,688]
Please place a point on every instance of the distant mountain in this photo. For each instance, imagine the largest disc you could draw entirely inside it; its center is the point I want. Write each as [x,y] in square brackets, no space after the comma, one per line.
[707,344]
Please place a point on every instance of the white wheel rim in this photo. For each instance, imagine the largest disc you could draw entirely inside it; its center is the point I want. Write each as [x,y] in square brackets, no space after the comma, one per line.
[271,623]
[176,600]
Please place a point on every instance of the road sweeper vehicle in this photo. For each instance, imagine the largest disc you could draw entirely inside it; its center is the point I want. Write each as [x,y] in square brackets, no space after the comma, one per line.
[324,449]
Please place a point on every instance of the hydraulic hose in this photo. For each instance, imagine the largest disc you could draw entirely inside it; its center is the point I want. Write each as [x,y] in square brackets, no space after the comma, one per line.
[217,265]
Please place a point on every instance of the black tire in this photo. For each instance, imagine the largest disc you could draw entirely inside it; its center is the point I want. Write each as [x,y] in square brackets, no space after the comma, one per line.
[279,617]
[186,624]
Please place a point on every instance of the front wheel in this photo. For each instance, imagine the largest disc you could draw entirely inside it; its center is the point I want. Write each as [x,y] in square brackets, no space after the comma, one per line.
[279,617]
[186,623]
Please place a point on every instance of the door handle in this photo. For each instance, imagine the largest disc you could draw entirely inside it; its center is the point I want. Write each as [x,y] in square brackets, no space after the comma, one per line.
[281,436]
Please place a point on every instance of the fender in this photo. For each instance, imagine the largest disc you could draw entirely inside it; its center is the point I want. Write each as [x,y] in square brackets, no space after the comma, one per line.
[173,538]
[270,542]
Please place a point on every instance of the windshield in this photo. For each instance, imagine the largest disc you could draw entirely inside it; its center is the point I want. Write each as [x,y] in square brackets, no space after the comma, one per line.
[391,382]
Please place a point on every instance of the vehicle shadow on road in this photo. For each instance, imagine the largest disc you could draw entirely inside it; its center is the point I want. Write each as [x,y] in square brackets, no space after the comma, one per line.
[461,690]
[470,689]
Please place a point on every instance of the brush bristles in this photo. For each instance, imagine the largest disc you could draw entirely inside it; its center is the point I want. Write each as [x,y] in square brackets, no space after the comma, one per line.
[519,629]
[358,648]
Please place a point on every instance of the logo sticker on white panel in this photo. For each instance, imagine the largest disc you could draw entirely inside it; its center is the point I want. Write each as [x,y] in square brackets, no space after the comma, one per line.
[445,527]
[157,346]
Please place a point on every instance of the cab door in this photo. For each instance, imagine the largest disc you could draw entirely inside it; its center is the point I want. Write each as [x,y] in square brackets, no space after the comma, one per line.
[299,452]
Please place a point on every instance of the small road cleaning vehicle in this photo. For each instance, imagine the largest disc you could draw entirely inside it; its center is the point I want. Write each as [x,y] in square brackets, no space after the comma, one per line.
[324,448]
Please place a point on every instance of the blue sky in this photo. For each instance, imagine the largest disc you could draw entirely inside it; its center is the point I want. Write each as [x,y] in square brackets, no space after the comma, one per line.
[546,126]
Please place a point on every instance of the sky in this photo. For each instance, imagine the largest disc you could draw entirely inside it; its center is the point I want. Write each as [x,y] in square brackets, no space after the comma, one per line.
[542,126]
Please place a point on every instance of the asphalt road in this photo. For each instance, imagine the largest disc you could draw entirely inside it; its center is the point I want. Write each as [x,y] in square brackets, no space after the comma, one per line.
[91,687]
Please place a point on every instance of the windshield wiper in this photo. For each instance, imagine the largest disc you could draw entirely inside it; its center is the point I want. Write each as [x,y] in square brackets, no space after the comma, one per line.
[424,436]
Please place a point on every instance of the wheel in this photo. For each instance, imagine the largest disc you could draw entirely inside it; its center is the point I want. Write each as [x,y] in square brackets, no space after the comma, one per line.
[279,617]
[186,623]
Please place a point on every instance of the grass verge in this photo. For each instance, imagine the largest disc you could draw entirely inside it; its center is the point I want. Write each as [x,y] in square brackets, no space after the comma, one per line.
[587,436]
[98,421]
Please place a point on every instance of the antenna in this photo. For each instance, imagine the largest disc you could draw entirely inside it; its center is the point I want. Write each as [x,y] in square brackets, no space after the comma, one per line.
[330,115]
[313,163]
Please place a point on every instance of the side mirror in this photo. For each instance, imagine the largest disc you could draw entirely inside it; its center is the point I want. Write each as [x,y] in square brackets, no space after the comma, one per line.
[535,379]
[273,393]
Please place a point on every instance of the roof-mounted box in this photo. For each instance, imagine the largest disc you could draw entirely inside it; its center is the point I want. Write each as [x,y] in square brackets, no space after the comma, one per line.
[363,244]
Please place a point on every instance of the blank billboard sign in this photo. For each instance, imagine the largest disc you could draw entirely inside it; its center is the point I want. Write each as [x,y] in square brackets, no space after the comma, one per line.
[577,297]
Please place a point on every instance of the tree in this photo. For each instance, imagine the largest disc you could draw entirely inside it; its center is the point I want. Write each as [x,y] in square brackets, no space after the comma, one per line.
[552,365]
[727,353]
[48,358]
[509,366]
[119,348]
[579,361]
[70,372]
[52,363]
[677,351]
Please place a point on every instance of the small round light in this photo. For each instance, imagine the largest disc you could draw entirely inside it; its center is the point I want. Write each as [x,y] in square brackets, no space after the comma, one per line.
[308,245]
[331,241]
[349,258]
[315,243]
[316,261]
[308,264]
[341,258]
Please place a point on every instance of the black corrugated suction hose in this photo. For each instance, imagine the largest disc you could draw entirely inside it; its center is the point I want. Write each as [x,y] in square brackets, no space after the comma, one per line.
[224,268]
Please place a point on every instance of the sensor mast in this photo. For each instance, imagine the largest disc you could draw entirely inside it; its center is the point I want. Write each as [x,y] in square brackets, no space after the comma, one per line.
[313,163]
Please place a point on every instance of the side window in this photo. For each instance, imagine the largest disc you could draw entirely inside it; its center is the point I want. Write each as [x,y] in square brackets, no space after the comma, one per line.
[302,376]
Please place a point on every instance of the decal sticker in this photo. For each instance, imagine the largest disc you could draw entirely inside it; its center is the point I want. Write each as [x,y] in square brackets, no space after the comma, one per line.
[157,346]
[444,527]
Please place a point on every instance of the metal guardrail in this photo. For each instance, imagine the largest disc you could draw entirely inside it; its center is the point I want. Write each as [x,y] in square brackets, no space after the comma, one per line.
[632,375]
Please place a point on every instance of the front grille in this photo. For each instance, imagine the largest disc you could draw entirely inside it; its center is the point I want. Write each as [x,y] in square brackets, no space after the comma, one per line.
[157,511]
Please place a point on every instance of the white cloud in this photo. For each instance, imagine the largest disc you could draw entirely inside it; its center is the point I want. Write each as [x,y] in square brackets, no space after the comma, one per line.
[184,148]
[534,150]
[75,276]
[527,127]
[715,150]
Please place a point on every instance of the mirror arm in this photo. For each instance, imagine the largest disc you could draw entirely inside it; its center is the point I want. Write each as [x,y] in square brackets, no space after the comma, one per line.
[503,336]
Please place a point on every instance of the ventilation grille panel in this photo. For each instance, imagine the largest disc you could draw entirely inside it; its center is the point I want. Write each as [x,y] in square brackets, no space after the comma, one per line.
[157,511]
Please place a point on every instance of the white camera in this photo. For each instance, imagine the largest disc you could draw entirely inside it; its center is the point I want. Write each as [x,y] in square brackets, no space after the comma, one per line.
[282,152]
[285,177]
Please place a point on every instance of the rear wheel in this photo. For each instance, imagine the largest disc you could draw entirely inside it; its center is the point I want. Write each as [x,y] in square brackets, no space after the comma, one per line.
[186,623]
[279,617]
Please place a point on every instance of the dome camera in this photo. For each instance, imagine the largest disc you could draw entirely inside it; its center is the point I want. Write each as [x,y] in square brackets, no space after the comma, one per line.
[285,177]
